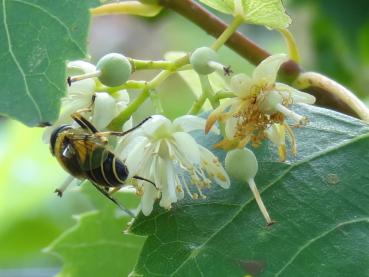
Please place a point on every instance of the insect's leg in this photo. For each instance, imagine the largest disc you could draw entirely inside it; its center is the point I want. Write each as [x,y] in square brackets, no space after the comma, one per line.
[83,122]
[144,179]
[106,194]
[60,190]
[121,134]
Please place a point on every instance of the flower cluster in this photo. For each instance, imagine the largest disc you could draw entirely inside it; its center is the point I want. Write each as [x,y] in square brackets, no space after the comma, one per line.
[164,161]
[104,108]
[164,152]
[259,109]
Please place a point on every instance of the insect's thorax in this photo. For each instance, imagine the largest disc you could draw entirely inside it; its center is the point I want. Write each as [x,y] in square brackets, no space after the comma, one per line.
[67,157]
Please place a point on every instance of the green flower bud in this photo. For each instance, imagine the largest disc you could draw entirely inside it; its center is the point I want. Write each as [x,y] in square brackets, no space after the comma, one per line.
[115,69]
[200,59]
[241,164]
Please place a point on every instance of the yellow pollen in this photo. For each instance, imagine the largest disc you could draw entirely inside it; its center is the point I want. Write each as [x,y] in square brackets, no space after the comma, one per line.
[221,177]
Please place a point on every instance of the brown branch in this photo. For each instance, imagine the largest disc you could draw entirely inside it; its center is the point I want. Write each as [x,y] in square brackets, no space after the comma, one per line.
[249,50]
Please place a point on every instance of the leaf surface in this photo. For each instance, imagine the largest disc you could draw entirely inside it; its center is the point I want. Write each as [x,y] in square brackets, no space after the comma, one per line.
[270,13]
[319,200]
[97,244]
[37,37]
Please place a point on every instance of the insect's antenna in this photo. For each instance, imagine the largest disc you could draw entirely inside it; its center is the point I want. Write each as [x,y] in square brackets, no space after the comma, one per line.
[143,179]
[135,127]
[126,210]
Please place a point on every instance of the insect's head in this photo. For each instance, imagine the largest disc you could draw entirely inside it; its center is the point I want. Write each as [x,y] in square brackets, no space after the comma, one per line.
[55,134]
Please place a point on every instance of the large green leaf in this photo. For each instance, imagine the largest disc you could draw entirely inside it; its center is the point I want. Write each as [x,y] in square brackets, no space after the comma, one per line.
[270,13]
[37,37]
[97,245]
[319,200]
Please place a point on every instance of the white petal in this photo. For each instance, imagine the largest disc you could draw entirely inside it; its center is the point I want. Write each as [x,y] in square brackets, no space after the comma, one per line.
[137,156]
[241,85]
[81,66]
[128,125]
[157,126]
[267,70]
[230,127]
[168,195]
[122,97]
[214,168]
[189,123]
[104,110]
[148,198]
[186,147]
[78,68]
[127,144]
[276,133]
[297,96]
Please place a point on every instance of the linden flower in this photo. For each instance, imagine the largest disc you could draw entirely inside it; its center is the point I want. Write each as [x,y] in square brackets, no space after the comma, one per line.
[163,151]
[105,107]
[259,108]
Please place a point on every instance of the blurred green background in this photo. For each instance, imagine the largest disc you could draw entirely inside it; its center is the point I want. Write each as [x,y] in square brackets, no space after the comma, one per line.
[333,36]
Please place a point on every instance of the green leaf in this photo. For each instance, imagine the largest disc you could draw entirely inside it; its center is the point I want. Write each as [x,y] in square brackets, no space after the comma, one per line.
[37,37]
[319,200]
[97,244]
[270,13]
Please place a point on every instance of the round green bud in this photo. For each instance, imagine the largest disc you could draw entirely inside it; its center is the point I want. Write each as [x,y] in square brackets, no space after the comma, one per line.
[115,69]
[241,164]
[267,104]
[200,59]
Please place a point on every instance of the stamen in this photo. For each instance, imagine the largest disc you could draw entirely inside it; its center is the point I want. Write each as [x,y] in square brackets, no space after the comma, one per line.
[60,190]
[76,78]
[302,120]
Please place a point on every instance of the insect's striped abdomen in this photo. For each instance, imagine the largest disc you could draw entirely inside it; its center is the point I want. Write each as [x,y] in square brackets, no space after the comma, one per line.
[111,171]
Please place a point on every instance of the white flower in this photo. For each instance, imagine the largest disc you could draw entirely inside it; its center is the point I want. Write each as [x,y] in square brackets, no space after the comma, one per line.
[163,151]
[79,96]
[258,103]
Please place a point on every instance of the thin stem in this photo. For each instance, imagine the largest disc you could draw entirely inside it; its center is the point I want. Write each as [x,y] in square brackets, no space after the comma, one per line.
[158,79]
[214,26]
[127,7]
[208,91]
[131,84]
[117,122]
[197,105]
[313,79]
[144,64]
[224,94]
[228,32]
[259,201]
[293,51]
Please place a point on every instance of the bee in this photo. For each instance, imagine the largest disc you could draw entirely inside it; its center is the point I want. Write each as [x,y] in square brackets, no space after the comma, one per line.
[83,152]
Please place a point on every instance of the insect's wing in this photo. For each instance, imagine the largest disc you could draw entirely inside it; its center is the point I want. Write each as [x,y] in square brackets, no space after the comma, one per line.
[89,151]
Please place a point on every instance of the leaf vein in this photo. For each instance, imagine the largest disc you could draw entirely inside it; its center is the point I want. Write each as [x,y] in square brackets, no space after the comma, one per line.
[20,69]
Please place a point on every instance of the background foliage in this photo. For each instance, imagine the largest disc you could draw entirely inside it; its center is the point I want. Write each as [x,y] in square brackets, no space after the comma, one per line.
[333,39]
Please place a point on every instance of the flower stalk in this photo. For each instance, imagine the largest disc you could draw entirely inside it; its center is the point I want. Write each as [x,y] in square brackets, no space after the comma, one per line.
[314,79]
[228,32]
[127,7]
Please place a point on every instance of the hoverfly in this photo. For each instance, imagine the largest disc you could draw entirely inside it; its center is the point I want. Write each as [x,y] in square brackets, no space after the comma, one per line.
[83,152]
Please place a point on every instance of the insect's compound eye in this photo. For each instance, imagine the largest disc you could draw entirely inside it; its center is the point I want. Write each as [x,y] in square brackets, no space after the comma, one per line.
[54,136]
